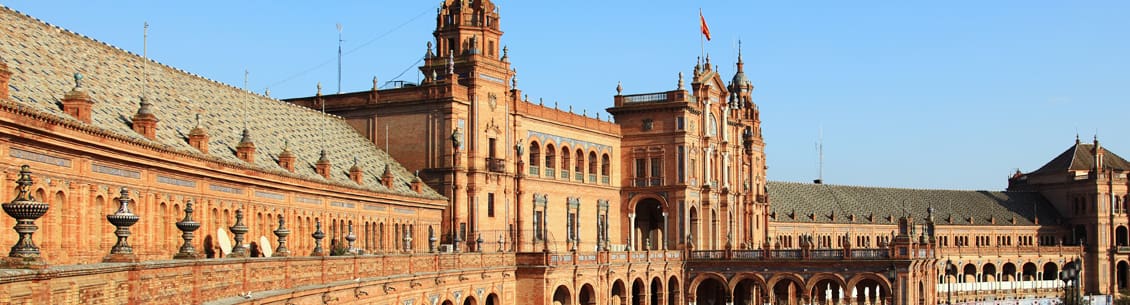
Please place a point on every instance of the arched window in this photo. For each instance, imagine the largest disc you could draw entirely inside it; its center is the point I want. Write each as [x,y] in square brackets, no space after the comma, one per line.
[605,165]
[550,157]
[592,163]
[565,160]
[535,153]
[579,164]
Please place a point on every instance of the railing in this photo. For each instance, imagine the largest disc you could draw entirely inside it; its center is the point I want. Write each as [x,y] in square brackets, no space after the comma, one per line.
[1008,250]
[791,254]
[709,254]
[827,254]
[596,258]
[496,165]
[579,176]
[605,180]
[646,182]
[644,98]
[550,172]
[565,174]
[870,253]
[592,178]
[535,171]
[785,254]
[749,254]
[1122,250]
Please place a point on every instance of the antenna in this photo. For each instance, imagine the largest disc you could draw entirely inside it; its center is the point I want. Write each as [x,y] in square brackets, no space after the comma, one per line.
[145,62]
[245,74]
[820,157]
[338,58]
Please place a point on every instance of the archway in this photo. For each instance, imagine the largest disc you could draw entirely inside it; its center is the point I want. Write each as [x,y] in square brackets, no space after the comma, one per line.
[656,291]
[748,292]
[618,296]
[827,292]
[710,292]
[638,290]
[447,302]
[1008,272]
[492,299]
[1028,272]
[1051,272]
[969,274]
[673,295]
[1122,270]
[587,296]
[869,291]
[470,301]
[787,291]
[561,296]
[989,273]
[649,225]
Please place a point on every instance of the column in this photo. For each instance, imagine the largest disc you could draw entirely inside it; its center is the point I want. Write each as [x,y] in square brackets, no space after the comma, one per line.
[666,231]
[631,230]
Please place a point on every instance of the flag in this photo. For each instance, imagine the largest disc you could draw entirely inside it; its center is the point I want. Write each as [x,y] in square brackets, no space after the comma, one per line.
[702,24]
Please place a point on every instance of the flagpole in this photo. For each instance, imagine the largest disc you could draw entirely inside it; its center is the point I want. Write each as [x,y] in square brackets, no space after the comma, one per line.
[701,37]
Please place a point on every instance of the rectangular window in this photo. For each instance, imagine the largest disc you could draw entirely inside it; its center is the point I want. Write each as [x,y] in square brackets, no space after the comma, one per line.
[680,168]
[572,225]
[656,172]
[641,168]
[490,204]
[537,225]
[680,122]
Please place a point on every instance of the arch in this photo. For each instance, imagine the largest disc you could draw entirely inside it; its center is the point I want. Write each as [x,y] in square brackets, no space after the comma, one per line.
[969,274]
[648,225]
[605,165]
[673,293]
[639,290]
[1008,272]
[492,299]
[710,290]
[447,302]
[579,162]
[695,236]
[868,289]
[1028,272]
[470,300]
[561,296]
[566,156]
[816,281]
[747,289]
[989,273]
[1051,271]
[618,293]
[656,291]
[1120,236]
[550,156]
[786,289]
[1121,273]
[535,153]
[587,296]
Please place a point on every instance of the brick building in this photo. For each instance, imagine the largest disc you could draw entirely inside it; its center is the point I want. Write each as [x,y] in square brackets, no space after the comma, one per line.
[482,196]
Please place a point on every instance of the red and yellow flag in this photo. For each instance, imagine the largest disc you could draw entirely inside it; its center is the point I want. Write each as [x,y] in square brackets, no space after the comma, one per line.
[702,24]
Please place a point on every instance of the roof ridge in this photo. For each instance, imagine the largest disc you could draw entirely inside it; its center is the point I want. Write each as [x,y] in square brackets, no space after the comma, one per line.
[879,187]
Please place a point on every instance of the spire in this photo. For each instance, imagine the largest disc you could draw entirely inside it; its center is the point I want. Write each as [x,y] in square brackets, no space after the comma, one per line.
[680,81]
[429,54]
[505,53]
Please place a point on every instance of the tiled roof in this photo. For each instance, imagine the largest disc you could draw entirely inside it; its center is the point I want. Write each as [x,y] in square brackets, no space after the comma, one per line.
[816,203]
[44,57]
[1082,157]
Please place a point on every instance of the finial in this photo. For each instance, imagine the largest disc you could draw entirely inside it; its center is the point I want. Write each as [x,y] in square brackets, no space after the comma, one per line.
[267,92]
[505,53]
[374,83]
[619,88]
[541,101]
[286,145]
[514,80]
[435,76]
[1077,138]
[526,98]
[319,88]
[739,51]
[146,106]
[198,120]
[680,80]
[78,80]
[450,63]
[429,54]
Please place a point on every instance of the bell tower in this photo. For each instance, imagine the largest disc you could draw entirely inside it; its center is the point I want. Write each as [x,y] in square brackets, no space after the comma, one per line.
[466,31]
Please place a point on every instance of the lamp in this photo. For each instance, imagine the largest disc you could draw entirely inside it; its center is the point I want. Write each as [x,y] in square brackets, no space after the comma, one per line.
[950,270]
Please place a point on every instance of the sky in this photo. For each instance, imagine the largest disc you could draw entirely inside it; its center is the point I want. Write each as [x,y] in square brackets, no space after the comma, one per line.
[915,94]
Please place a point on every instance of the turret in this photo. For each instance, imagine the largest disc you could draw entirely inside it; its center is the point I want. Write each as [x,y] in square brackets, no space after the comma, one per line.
[144,121]
[77,102]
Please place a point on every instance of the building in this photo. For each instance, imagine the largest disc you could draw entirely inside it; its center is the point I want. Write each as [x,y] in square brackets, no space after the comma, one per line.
[482,196]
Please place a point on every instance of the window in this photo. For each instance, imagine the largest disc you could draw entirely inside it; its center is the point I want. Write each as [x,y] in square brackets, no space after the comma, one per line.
[681,163]
[641,168]
[538,223]
[647,124]
[572,225]
[550,156]
[605,165]
[535,153]
[680,123]
[656,169]
[490,204]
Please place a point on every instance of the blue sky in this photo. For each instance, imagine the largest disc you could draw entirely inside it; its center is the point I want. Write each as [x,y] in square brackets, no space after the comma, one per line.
[941,94]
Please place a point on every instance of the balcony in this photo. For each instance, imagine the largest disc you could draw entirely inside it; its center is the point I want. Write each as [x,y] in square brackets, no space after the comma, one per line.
[592,178]
[646,182]
[496,165]
[1122,249]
